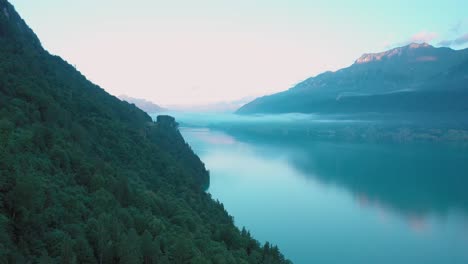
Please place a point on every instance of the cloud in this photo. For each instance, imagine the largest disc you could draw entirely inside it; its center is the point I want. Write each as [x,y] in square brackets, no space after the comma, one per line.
[456,28]
[424,36]
[445,43]
[458,41]
[461,40]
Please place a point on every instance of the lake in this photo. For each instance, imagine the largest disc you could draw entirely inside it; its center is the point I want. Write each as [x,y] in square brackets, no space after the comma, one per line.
[339,201]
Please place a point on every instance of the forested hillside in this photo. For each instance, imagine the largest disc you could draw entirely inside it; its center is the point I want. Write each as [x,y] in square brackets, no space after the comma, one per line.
[87,178]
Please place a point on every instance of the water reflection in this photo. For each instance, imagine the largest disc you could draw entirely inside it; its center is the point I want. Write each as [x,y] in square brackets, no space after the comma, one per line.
[204,134]
[372,203]
[415,179]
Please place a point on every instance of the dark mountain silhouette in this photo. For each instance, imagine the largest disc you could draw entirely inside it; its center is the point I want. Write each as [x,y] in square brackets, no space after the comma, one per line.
[87,178]
[413,78]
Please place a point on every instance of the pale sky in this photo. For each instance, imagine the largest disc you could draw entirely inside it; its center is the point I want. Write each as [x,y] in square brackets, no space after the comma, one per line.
[202,51]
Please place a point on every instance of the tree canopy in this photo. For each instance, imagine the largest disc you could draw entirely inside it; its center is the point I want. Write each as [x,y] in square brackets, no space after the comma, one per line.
[87,178]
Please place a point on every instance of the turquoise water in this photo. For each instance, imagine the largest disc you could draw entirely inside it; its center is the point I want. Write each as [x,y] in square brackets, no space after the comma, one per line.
[342,202]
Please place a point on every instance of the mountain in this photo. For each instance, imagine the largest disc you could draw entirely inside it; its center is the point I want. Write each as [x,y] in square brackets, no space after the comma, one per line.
[216,107]
[147,106]
[88,178]
[413,78]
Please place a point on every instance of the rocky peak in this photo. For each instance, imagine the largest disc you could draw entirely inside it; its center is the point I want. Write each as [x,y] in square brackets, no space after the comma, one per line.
[396,52]
[418,45]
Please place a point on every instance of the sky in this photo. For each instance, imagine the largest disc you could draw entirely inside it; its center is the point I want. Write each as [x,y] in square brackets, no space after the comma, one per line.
[187,52]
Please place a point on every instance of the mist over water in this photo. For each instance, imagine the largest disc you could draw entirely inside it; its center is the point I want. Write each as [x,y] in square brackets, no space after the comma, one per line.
[336,198]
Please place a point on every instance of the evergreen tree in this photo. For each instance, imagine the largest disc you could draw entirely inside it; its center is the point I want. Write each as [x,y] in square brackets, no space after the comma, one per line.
[87,178]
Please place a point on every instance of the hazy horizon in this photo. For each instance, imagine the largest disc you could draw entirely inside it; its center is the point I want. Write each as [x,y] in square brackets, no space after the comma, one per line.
[231,146]
[185,53]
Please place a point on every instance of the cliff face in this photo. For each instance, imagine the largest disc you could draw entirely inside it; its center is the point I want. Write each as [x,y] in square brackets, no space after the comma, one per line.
[410,78]
[87,178]
[12,26]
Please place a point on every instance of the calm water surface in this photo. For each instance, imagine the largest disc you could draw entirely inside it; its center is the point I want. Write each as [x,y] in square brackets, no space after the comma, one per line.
[339,202]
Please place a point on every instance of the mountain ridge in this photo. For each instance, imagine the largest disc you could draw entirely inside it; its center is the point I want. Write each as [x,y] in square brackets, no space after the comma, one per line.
[398,51]
[145,105]
[88,178]
[408,69]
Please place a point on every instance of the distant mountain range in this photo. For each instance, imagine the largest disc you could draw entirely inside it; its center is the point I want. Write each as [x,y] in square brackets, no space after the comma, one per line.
[143,104]
[217,107]
[413,78]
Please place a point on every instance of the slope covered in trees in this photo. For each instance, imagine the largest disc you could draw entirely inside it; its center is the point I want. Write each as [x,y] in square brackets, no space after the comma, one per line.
[87,178]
